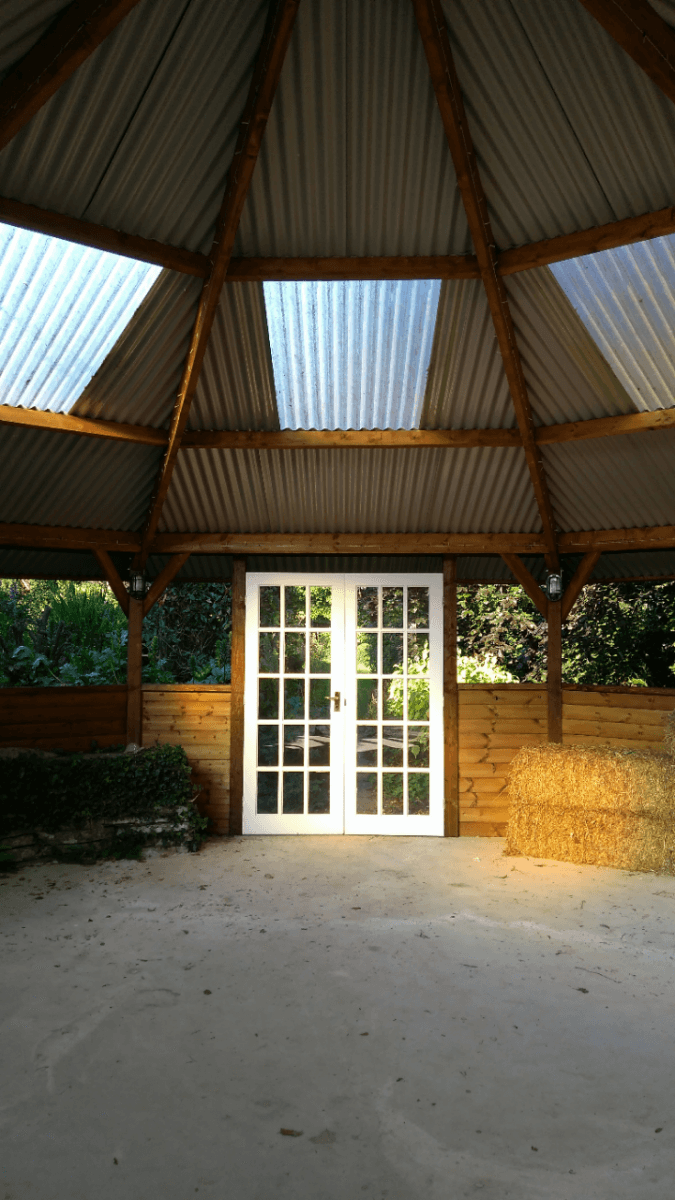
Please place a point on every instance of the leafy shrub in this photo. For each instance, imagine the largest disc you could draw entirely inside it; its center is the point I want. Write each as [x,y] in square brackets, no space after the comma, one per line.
[62,791]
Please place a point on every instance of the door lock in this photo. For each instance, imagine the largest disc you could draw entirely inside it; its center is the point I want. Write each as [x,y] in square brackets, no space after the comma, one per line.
[336,701]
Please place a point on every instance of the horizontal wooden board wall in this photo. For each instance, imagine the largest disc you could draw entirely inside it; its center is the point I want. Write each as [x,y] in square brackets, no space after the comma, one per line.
[63,718]
[198,719]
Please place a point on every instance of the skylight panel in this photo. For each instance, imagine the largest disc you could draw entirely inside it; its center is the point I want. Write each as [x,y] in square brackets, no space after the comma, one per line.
[62,309]
[351,355]
[626,300]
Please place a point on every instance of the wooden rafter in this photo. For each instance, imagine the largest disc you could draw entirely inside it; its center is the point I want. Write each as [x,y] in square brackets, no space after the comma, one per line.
[114,579]
[72,37]
[417,266]
[527,582]
[434,34]
[578,581]
[252,127]
[643,34]
[655,537]
[161,583]
[54,537]
[33,418]
[100,237]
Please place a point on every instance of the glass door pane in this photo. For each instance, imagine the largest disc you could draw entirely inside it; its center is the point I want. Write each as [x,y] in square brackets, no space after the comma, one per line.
[393,751]
[293,727]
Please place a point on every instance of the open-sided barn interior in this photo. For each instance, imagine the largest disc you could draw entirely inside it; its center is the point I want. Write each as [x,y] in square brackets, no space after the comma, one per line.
[345,303]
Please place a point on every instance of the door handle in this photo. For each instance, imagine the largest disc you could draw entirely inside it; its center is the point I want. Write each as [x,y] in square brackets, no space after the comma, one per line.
[336,701]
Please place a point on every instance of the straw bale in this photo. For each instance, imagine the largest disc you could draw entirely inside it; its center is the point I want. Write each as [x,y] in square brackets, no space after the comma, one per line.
[606,806]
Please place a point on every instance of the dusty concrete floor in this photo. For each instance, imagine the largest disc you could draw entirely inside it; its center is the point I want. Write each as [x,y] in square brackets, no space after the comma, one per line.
[434,1019]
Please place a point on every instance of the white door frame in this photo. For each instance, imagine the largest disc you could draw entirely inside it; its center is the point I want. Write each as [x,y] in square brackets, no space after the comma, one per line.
[343,817]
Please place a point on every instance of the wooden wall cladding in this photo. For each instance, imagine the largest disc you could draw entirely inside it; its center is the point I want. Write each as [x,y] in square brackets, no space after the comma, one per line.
[198,719]
[494,722]
[63,718]
[630,717]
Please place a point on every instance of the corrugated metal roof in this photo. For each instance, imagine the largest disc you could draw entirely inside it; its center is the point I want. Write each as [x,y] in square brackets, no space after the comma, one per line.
[236,383]
[20,562]
[569,132]
[49,479]
[381,491]
[626,300]
[638,564]
[62,308]
[351,355]
[21,25]
[613,483]
[567,377]
[466,386]
[354,160]
[138,381]
[141,136]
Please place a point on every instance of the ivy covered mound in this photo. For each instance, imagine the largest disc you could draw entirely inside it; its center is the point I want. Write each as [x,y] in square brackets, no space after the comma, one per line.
[80,807]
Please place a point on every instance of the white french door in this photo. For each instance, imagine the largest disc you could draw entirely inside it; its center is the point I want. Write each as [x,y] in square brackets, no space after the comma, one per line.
[343,704]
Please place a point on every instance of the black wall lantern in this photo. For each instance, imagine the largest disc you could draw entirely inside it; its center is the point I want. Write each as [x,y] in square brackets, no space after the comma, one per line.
[137,585]
[554,587]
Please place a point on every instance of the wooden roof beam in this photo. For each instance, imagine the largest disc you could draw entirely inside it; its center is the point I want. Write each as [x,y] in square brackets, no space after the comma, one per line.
[33,418]
[54,537]
[643,34]
[100,237]
[394,266]
[578,581]
[114,579]
[163,580]
[434,34]
[527,582]
[252,127]
[587,241]
[68,41]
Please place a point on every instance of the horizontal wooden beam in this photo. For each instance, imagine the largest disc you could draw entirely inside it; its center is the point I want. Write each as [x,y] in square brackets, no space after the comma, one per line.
[69,40]
[416,266]
[577,431]
[68,538]
[347,543]
[325,439]
[656,537]
[65,423]
[588,241]
[298,439]
[55,537]
[100,237]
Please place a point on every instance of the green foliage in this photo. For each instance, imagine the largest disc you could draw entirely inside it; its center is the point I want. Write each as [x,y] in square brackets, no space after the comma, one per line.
[71,790]
[188,634]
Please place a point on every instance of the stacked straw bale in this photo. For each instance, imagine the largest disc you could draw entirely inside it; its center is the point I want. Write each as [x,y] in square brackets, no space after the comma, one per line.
[581,804]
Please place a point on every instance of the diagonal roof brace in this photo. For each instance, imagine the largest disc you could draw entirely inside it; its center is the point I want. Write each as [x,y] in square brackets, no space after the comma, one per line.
[643,34]
[434,34]
[266,74]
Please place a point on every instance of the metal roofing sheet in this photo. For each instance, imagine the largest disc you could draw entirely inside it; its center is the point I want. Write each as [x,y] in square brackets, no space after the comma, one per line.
[21,25]
[354,159]
[141,136]
[236,383]
[381,491]
[569,132]
[642,564]
[567,376]
[62,308]
[466,386]
[626,299]
[49,479]
[351,355]
[613,483]
[138,381]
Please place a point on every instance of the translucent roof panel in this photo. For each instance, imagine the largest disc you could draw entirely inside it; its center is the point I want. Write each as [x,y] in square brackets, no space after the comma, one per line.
[62,308]
[351,355]
[626,300]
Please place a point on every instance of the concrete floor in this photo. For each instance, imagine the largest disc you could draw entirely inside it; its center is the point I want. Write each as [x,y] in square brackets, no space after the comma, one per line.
[433,1019]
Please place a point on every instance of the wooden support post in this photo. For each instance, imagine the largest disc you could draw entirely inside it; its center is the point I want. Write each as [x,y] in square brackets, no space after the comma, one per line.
[554,671]
[134,673]
[237,696]
[450,698]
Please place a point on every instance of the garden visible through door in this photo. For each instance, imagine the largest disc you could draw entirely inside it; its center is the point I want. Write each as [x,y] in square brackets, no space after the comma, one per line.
[343,704]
